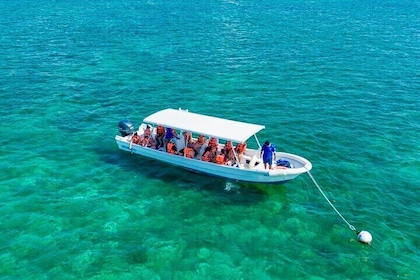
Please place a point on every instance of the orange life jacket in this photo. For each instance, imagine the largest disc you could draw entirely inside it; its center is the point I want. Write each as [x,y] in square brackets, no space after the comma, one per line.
[188,152]
[220,159]
[171,148]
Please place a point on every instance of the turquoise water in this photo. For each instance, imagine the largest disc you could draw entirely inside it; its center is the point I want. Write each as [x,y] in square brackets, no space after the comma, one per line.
[336,82]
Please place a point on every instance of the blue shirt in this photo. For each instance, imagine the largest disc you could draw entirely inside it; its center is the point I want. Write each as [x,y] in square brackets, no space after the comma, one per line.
[268,151]
[168,134]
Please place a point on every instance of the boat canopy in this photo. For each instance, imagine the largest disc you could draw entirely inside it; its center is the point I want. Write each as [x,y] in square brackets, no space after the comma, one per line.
[229,130]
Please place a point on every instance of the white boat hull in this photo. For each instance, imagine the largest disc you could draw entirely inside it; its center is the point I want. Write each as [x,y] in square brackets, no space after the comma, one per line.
[244,172]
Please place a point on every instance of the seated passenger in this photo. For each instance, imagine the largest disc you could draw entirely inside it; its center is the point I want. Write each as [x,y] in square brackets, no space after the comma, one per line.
[213,142]
[229,155]
[148,142]
[188,152]
[187,138]
[147,131]
[170,133]
[160,134]
[196,146]
[240,150]
[171,148]
[135,138]
[209,154]
[144,141]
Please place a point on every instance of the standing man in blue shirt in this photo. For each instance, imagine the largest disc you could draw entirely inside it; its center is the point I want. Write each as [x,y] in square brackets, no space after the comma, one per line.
[268,152]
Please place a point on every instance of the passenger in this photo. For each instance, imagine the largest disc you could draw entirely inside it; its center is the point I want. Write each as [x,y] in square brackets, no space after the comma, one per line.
[170,133]
[201,140]
[135,139]
[188,152]
[209,154]
[213,142]
[148,142]
[187,138]
[240,150]
[144,140]
[229,155]
[268,152]
[147,131]
[171,148]
[160,134]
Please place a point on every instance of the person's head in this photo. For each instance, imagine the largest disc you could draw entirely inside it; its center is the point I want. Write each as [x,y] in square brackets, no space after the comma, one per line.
[267,143]
[201,138]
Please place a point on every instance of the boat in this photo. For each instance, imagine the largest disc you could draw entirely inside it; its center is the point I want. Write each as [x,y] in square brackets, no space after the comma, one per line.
[243,167]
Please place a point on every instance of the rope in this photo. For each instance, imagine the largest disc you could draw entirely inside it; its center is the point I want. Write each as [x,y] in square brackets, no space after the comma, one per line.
[326,198]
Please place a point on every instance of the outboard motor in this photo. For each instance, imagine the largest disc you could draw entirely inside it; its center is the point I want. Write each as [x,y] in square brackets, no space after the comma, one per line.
[126,127]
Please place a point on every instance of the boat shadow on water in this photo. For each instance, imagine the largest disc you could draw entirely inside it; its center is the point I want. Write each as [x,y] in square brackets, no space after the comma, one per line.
[226,191]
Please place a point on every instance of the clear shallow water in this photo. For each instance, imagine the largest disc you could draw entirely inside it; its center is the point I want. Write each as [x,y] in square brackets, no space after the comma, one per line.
[337,83]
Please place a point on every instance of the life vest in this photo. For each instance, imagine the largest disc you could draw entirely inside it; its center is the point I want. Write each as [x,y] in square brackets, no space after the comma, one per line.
[135,139]
[220,159]
[240,148]
[188,152]
[171,148]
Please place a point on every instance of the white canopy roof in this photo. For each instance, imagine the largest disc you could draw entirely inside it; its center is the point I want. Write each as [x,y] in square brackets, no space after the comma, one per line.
[201,124]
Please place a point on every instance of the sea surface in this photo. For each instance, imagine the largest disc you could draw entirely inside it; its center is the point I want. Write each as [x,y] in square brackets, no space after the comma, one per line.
[337,82]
